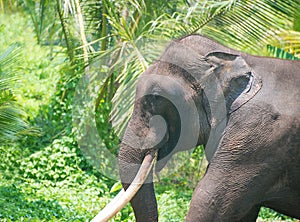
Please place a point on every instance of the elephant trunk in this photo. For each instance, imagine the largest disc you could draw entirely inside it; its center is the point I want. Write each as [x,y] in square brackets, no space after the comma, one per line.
[124,197]
[144,202]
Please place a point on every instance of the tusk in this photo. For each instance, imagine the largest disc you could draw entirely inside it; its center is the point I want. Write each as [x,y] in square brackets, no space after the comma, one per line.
[124,197]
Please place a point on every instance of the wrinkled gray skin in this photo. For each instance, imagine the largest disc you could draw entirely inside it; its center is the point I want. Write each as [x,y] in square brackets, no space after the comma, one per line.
[257,157]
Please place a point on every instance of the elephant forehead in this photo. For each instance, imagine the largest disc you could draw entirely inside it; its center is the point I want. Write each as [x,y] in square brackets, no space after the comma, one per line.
[167,86]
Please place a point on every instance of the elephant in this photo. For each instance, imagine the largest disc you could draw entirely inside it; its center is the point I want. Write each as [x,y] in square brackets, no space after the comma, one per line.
[243,109]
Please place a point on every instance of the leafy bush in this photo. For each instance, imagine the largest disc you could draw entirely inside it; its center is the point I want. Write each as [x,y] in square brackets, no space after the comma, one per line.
[173,205]
[10,166]
[15,206]
[55,162]
[267,214]
[49,185]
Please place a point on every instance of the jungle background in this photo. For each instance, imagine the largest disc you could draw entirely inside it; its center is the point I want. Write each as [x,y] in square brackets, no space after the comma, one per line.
[47,47]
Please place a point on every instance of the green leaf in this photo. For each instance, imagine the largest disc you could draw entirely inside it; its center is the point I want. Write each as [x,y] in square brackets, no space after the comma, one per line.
[116,187]
[297,19]
[280,53]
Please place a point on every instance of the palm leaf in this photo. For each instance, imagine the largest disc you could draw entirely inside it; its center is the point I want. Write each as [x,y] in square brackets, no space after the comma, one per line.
[280,53]
[7,61]
[12,117]
[290,41]
[250,25]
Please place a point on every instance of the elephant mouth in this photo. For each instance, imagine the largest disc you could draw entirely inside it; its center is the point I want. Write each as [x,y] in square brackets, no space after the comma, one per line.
[123,197]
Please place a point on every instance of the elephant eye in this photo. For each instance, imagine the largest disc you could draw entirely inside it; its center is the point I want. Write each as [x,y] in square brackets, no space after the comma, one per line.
[211,66]
[248,75]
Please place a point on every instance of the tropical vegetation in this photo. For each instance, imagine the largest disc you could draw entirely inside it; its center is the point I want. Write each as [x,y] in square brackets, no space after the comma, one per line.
[67,77]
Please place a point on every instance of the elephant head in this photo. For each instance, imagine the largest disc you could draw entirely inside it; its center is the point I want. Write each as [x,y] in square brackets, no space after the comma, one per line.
[183,100]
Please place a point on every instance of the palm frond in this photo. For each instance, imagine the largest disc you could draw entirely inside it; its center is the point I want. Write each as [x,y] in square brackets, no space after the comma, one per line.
[280,53]
[12,123]
[7,61]
[249,25]
[12,117]
[289,40]
[42,14]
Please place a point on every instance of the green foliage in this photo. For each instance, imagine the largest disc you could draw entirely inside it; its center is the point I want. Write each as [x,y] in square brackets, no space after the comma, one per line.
[12,198]
[173,205]
[55,118]
[37,67]
[267,214]
[289,41]
[11,166]
[48,178]
[104,127]
[280,53]
[43,17]
[12,118]
[55,162]
[297,19]
[49,184]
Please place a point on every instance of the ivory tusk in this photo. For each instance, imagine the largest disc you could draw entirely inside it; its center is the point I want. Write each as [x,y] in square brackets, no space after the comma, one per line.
[124,197]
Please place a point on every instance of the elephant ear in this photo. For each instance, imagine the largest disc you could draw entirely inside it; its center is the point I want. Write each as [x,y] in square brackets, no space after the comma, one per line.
[238,81]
